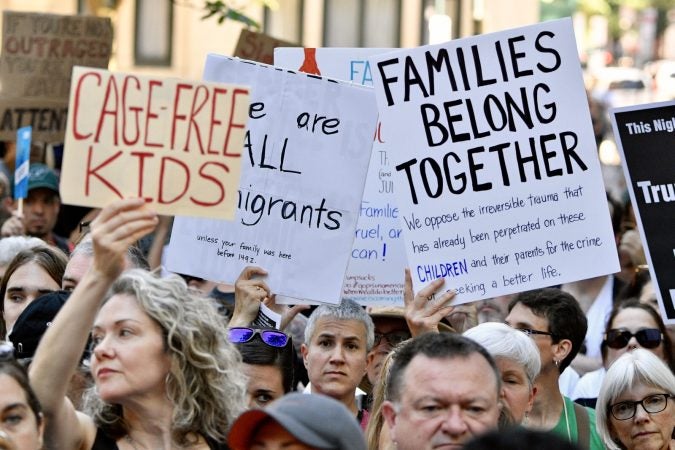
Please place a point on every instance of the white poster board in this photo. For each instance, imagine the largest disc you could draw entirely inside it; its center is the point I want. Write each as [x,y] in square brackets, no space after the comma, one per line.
[305,161]
[495,166]
[176,143]
[377,260]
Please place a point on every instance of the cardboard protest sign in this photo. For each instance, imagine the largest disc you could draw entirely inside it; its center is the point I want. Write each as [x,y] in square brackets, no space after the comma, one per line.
[174,142]
[375,271]
[646,137]
[495,166]
[258,46]
[306,156]
[38,54]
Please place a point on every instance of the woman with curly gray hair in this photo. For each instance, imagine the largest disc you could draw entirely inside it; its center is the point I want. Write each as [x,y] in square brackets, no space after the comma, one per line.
[165,375]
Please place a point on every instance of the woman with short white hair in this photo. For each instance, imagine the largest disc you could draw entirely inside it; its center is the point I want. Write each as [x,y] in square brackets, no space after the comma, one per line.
[636,405]
[518,360]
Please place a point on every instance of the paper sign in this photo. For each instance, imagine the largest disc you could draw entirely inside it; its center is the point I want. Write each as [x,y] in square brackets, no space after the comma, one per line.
[646,137]
[38,54]
[258,46]
[494,162]
[306,156]
[375,272]
[174,142]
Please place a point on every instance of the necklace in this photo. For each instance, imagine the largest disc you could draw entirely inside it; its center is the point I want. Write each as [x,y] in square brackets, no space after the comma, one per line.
[567,421]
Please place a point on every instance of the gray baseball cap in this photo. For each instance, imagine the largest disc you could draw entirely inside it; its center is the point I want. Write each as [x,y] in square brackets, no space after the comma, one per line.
[316,420]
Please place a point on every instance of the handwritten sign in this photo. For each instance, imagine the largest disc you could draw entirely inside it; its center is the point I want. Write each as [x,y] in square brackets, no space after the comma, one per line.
[646,137]
[496,170]
[38,54]
[375,271]
[306,156]
[258,46]
[174,142]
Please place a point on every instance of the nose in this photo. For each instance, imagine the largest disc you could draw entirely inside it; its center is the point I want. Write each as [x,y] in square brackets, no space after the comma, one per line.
[641,414]
[337,354]
[633,343]
[454,423]
[103,349]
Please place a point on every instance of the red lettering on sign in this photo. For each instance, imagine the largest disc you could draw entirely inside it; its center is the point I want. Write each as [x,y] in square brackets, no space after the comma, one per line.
[76,101]
[132,109]
[231,124]
[215,181]
[93,172]
[162,171]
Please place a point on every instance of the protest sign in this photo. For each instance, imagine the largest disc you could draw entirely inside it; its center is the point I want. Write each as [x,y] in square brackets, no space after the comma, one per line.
[306,156]
[646,137]
[375,271]
[495,165]
[174,142]
[258,46]
[38,54]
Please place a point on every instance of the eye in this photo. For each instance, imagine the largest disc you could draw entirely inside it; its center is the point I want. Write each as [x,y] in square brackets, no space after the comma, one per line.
[124,332]
[352,346]
[475,409]
[263,399]
[12,419]
[16,298]
[68,287]
[324,343]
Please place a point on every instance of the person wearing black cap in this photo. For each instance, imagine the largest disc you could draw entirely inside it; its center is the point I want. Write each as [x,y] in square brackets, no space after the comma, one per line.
[40,209]
[300,421]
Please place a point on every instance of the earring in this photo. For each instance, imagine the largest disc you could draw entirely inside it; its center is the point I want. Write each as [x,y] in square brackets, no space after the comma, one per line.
[556,362]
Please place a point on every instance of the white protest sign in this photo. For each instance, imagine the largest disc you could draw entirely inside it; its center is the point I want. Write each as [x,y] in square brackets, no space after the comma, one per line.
[174,142]
[375,272]
[306,156]
[496,169]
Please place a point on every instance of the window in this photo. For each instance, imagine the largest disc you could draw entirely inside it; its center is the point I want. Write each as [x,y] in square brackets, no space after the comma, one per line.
[362,23]
[285,22]
[154,28]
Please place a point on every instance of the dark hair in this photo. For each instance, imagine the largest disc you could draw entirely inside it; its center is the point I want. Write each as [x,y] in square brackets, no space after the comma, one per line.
[516,438]
[634,303]
[565,318]
[49,258]
[18,373]
[256,352]
[436,346]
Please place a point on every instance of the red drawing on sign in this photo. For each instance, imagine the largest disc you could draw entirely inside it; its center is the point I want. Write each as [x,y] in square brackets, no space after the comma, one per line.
[309,65]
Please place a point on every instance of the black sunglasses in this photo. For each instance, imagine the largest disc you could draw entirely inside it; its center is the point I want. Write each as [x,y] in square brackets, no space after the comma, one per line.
[273,338]
[647,338]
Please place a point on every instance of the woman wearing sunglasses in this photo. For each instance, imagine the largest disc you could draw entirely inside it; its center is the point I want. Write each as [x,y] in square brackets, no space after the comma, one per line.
[630,325]
[268,363]
[636,405]
[165,375]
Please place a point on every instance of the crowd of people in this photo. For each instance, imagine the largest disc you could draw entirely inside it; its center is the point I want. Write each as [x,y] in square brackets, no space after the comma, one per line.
[102,350]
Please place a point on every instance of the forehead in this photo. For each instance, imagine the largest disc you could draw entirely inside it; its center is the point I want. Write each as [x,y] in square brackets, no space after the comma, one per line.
[633,318]
[451,379]
[43,194]
[340,328]
[522,316]
[78,264]
[122,307]
[262,375]
[31,273]
[10,391]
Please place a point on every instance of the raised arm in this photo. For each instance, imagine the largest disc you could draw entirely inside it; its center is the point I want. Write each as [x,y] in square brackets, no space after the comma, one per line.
[117,227]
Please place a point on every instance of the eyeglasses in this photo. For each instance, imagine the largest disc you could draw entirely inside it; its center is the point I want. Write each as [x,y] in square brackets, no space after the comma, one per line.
[273,338]
[394,338]
[652,404]
[531,333]
[647,338]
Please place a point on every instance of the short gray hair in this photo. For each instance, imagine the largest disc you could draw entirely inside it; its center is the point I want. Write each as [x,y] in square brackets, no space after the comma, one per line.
[502,341]
[134,255]
[632,368]
[12,245]
[346,310]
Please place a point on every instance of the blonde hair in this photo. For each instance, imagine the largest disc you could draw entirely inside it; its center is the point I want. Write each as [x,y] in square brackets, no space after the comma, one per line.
[376,421]
[205,382]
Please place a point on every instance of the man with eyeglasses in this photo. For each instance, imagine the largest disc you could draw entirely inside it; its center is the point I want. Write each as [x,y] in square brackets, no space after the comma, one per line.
[557,324]
[390,330]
